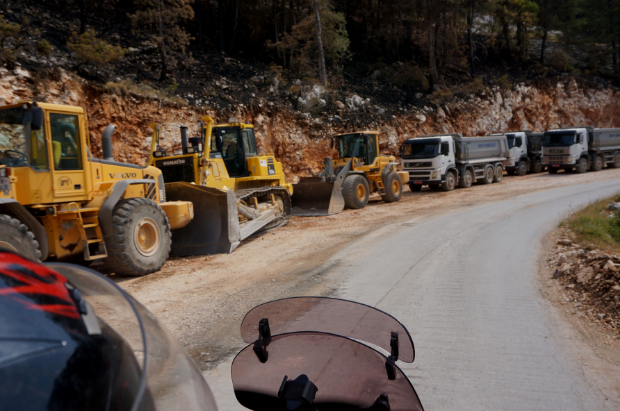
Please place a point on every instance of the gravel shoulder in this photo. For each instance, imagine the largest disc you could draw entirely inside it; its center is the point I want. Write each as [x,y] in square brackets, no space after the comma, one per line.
[202,299]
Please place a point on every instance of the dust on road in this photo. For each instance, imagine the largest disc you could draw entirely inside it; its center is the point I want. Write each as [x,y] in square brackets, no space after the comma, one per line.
[202,300]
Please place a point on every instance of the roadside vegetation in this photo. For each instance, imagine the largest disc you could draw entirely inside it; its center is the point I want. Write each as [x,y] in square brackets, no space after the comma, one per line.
[597,225]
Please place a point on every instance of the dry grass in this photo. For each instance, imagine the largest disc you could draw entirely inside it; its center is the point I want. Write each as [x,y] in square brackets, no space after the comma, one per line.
[128,87]
[596,226]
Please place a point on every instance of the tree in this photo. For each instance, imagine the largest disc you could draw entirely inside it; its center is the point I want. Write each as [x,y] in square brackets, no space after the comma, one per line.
[89,49]
[302,42]
[161,22]
[319,46]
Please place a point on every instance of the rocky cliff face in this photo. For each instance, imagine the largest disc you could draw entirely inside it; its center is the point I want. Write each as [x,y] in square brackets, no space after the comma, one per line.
[301,141]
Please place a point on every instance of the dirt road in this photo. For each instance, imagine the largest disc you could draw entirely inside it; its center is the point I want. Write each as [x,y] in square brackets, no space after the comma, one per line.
[202,300]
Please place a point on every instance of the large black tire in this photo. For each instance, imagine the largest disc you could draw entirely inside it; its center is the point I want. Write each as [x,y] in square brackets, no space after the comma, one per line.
[141,238]
[489,175]
[415,187]
[582,166]
[597,164]
[616,162]
[450,182]
[521,168]
[499,174]
[466,179]
[553,170]
[393,188]
[15,236]
[537,166]
[355,191]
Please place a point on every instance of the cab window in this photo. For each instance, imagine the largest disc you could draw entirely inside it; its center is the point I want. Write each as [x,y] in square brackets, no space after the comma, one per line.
[445,149]
[249,141]
[372,148]
[66,146]
[38,150]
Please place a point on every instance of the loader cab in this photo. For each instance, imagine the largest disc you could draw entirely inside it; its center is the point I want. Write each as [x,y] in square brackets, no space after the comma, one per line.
[234,143]
[43,147]
[363,146]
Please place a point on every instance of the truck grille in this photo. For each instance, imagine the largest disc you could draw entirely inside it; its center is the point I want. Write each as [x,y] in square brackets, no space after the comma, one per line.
[412,165]
[555,160]
[419,175]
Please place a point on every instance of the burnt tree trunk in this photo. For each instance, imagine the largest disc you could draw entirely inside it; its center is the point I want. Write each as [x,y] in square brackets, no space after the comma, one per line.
[319,44]
[162,44]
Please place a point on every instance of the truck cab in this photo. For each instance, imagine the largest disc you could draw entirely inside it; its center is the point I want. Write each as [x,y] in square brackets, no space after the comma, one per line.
[524,149]
[428,159]
[566,149]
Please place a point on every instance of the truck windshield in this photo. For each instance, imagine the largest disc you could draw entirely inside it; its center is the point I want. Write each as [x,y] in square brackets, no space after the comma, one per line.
[511,141]
[14,127]
[420,150]
[559,139]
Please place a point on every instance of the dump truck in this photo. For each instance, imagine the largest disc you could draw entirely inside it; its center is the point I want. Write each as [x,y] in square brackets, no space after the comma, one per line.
[349,180]
[581,149]
[525,154]
[236,192]
[449,160]
[59,202]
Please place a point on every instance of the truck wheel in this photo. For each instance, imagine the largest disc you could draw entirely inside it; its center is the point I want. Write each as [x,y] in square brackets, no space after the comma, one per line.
[393,189]
[499,174]
[141,238]
[489,175]
[450,181]
[15,236]
[415,187]
[616,162]
[537,166]
[521,168]
[466,179]
[582,165]
[355,192]
[553,170]
[597,164]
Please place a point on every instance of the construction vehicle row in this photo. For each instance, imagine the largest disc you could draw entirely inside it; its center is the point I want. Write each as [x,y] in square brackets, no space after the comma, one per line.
[59,202]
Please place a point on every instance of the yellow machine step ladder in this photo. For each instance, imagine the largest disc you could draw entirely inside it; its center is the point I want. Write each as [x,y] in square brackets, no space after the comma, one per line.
[88,223]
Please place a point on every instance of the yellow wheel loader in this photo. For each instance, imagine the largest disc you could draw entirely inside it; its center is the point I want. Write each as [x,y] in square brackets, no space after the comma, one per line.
[236,191]
[349,180]
[57,201]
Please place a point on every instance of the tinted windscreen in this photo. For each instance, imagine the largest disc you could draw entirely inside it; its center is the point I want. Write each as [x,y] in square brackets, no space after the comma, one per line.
[348,374]
[558,139]
[420,150]
[329,315]
[352,145]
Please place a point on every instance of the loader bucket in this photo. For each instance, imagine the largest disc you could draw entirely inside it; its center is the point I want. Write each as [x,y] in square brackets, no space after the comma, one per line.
[215,227]
[313,197]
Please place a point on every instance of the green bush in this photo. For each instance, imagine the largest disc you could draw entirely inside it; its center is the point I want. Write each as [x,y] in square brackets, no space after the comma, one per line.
[558,59]
[475,87]
[593,225]
[504,82]
[8,30]
[91,50]
[440,96]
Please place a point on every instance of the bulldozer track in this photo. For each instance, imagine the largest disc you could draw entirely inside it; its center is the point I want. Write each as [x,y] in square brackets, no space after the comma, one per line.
[262,194]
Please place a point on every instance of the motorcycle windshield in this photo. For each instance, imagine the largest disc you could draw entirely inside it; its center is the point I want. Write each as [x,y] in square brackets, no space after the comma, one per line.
[329,315]
[170,379]
[349,375]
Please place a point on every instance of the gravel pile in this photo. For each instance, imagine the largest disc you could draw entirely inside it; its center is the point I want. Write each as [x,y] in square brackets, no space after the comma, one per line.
[591,279]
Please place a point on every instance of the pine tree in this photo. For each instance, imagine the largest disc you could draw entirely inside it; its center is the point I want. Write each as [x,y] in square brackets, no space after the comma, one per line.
[161,21]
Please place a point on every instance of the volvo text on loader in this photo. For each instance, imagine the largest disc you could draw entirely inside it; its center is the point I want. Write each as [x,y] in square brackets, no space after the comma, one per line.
[236,191]
[57,201]
[349,180]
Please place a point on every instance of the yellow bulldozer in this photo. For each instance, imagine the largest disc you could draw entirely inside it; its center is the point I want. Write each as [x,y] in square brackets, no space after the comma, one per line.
[236,192]
[349,180]
[59,202]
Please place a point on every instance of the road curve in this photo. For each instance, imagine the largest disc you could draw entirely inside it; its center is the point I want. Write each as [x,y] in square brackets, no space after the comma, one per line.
[465,284]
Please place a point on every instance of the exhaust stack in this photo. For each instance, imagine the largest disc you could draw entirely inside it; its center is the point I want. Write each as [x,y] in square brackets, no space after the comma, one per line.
[106,142]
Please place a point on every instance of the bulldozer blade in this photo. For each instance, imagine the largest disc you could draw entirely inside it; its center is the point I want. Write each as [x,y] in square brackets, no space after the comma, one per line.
[313,197]
[215,227]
